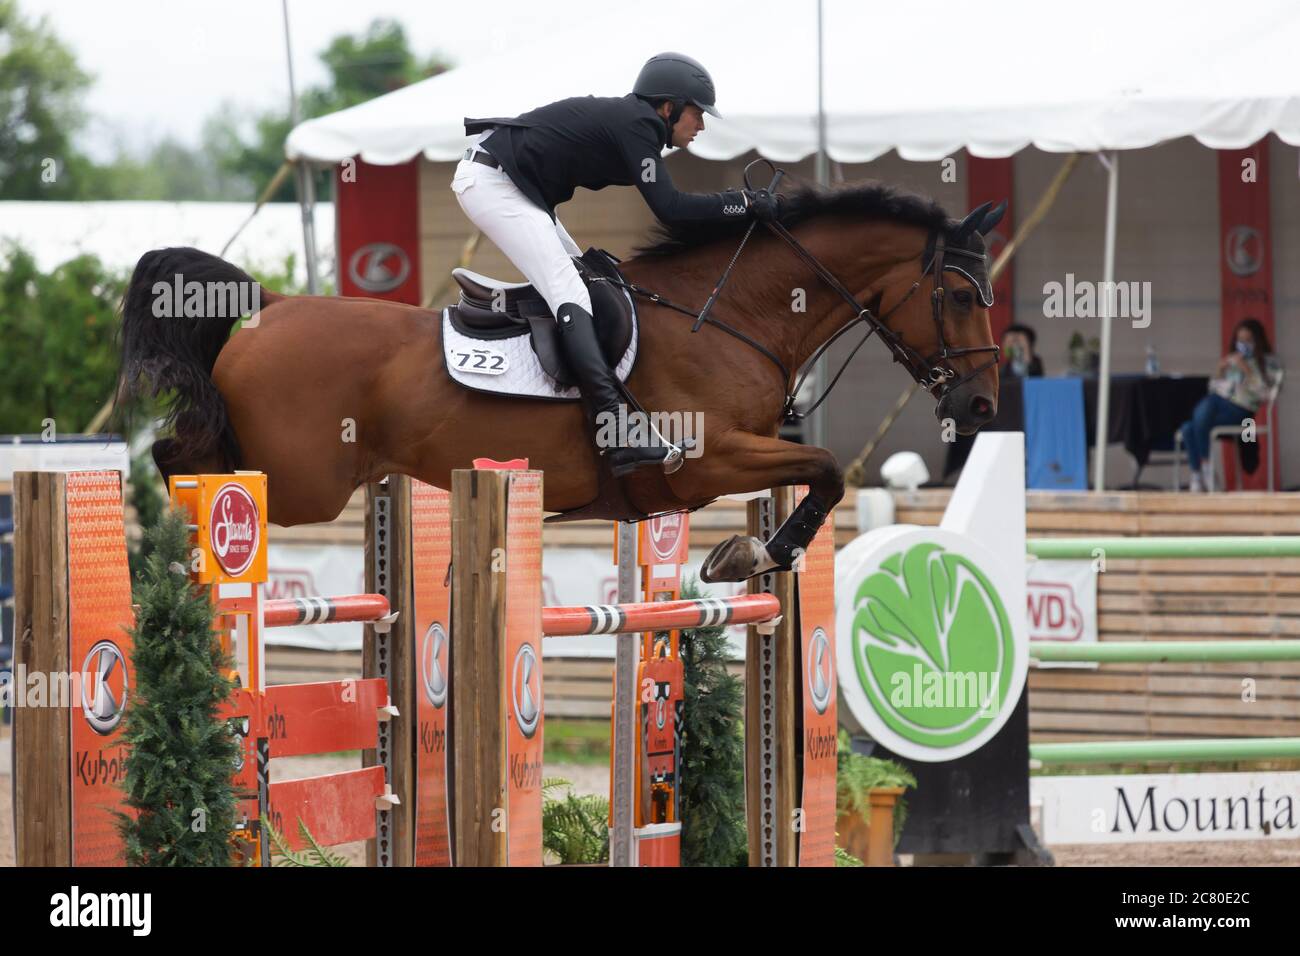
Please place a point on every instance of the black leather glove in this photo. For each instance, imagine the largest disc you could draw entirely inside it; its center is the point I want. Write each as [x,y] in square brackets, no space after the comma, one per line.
[763,205]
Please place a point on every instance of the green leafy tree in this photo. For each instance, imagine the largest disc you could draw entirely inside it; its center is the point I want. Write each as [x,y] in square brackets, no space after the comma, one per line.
[180,754]
[58,332]
[360,67]
[713,751]
[40,111]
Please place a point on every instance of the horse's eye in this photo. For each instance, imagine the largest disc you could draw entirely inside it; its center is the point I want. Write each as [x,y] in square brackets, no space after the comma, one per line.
[963,298]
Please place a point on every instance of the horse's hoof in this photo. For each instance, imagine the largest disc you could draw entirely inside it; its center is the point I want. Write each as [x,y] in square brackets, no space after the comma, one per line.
[738,558]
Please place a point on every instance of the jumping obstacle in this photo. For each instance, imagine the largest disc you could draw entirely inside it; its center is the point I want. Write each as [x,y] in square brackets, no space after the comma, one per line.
[481,706]
[431,782]
[72,610]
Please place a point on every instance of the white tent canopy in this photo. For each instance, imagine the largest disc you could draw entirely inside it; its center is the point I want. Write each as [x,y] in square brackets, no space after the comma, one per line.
[993,77]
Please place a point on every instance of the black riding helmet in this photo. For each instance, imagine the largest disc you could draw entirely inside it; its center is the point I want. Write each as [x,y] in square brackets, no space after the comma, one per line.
[676,77]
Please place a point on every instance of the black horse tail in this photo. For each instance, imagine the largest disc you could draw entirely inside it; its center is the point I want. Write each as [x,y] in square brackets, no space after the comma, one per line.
[170,339]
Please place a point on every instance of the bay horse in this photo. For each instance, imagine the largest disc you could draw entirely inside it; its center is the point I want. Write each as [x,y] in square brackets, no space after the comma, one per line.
[324,394]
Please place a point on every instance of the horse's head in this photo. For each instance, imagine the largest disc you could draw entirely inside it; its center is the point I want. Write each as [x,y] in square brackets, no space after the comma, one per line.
[940,323]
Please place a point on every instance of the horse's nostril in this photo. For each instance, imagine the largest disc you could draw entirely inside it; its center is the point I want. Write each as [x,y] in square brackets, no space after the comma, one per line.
[981,407]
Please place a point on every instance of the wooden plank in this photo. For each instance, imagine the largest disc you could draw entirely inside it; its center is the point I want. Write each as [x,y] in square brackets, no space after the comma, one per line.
[578,690]
[327,717]
[574,668]
[1199,602]
[1218,625]
[42,736]
[1170,704]
[574,708]
[336,808]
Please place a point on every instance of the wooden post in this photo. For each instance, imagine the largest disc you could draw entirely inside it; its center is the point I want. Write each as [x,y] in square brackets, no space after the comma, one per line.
[72,595]
[478,532]
[771,706]
[42,738]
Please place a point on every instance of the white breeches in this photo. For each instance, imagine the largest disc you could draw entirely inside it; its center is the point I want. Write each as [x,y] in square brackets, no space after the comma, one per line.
[538,247]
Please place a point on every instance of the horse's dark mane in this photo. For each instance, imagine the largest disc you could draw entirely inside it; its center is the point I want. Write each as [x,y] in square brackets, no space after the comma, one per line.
[862,200]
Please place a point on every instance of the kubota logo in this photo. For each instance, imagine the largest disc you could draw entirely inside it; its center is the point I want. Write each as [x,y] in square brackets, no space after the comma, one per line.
[104,687]
[379,267]
[526,690]
[433,664]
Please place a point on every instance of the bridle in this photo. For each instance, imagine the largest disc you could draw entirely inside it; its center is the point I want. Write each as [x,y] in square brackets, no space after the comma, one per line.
[933,372]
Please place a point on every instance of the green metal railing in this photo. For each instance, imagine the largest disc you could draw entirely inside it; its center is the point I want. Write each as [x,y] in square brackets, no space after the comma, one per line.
[1157,651]
[1175,751]
[1280,546]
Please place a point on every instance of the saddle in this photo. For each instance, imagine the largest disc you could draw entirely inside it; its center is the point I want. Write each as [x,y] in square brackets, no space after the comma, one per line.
[490,311]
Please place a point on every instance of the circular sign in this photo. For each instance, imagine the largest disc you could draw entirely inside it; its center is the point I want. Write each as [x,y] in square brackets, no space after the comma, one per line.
[526,691]
[379,267]
[665,532]
[233,529]
[105,669]
[1243,250]
[931,661]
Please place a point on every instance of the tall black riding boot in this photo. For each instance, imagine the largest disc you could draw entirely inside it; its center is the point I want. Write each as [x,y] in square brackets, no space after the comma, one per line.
[600,389]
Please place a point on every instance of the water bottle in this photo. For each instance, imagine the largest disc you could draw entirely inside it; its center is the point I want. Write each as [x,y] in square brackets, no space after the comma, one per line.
[1153,363]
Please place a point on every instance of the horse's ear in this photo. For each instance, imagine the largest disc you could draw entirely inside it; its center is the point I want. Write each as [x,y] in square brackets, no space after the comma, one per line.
[992,218]
[970,223]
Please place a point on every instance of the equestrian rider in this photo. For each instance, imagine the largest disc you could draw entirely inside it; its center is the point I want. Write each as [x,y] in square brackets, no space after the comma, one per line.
[519,169]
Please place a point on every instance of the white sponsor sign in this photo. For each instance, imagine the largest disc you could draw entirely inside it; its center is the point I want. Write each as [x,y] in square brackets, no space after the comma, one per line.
[1168,808]
[1062,605]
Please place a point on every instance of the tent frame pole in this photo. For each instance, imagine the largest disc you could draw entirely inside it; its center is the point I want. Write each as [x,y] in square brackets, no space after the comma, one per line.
[1107,303]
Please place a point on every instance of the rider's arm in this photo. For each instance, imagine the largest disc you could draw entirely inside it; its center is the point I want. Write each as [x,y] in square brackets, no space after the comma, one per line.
[642,152]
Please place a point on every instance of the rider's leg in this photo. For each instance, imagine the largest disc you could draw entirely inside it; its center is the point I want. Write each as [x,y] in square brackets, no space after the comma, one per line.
[540,249]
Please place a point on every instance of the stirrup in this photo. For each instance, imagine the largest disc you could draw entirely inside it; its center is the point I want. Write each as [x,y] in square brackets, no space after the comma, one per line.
[624,461]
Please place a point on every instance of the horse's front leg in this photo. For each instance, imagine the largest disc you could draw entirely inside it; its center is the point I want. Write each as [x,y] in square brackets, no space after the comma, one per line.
[753,463]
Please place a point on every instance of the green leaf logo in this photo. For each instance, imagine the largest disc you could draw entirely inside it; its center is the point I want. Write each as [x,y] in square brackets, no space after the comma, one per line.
[932,646]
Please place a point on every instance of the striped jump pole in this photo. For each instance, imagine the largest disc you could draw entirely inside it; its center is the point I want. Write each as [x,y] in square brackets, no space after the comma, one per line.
[364,608]
[658,616]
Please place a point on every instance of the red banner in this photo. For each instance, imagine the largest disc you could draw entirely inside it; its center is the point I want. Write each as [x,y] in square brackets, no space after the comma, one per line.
[378,224]
[993,180]
[1246,268]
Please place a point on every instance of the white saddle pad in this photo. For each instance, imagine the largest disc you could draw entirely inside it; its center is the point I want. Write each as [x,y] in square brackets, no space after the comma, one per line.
[510,366]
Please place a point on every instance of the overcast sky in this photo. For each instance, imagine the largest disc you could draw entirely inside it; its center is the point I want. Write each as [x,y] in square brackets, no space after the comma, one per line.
[163,67]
